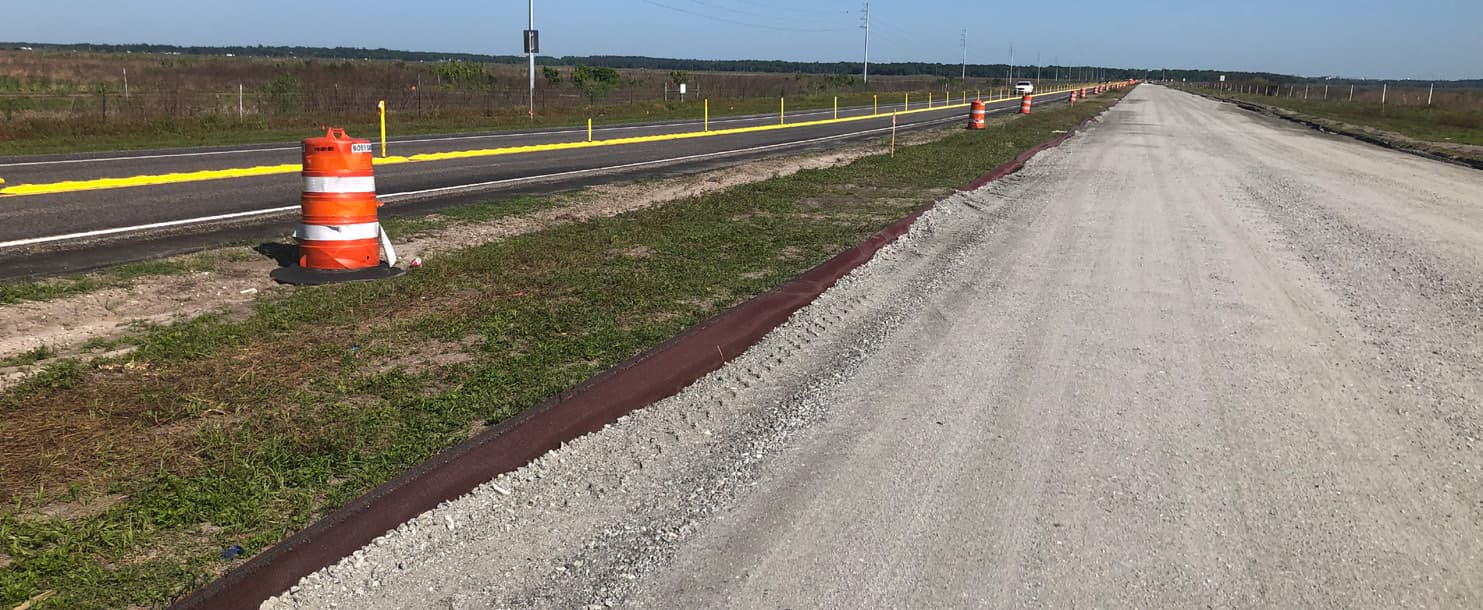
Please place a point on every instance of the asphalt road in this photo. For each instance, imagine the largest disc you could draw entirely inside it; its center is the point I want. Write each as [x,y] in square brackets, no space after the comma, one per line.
[82,166]
[48,216]
[1193,358]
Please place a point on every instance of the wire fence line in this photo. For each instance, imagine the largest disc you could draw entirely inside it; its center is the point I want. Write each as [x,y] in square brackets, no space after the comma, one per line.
[1446,98]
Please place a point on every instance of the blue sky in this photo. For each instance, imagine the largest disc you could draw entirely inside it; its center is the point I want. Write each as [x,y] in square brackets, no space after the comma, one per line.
[1356,38]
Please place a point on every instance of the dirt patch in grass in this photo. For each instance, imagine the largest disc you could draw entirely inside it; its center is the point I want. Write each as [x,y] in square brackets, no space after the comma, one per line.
[425,356]
[78,509]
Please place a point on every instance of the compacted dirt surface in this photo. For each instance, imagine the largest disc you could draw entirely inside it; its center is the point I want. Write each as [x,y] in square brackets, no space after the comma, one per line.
[1193,357]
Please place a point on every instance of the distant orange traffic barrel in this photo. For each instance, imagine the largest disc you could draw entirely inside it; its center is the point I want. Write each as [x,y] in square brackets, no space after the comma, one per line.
[1072,99]
[340,237]
[976,114]
[1083,93]
[1025,104]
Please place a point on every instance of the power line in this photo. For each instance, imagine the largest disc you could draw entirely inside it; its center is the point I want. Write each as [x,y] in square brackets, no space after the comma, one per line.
[741,23]
[757,15]
[912,46]
[806,11]
[908,33]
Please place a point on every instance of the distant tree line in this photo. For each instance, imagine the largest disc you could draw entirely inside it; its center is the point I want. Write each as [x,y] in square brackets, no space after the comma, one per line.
[706,65]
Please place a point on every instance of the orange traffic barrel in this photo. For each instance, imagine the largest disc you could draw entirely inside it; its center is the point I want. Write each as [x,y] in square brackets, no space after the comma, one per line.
[1025,104]
[1072,99]
[1083,93]
[340,237]
[976,115]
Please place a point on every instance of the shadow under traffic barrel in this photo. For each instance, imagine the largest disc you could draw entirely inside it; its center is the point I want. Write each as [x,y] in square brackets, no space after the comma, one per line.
[340,237]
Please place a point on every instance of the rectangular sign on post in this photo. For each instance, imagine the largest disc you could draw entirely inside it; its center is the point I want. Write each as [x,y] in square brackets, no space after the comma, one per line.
[682,88]
[532,41]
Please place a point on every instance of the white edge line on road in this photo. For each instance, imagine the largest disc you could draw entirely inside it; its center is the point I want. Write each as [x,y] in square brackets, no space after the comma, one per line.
[157,225]
[394,196]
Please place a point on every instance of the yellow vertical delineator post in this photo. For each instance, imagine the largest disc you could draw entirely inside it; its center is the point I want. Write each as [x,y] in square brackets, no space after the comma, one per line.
[589,130]
[836,106]
[782,111]
[382,106]
[907,104]
[929,99]
[707,114]
[876,104]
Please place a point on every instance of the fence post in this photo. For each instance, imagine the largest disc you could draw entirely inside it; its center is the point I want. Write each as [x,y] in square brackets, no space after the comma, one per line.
[1351,93]
[1429,90]
[239,102]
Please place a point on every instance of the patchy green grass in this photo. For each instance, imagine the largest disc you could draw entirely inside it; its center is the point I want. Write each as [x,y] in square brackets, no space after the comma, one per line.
[111,277]
[31,356]
[224,431]
[476,213]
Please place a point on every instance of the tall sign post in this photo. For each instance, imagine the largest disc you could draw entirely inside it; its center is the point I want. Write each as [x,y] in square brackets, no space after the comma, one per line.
[532,46]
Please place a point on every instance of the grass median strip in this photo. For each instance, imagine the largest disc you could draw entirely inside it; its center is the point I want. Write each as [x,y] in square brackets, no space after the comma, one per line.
[125,479]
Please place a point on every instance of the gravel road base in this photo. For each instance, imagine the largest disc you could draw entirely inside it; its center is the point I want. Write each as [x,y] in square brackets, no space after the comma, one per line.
[1193,357]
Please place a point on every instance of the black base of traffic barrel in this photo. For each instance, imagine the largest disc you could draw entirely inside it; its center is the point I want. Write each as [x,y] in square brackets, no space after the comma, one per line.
[301,276]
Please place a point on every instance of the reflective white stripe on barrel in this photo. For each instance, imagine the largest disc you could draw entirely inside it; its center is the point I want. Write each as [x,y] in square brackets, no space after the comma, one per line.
[365,230]
[339,184]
